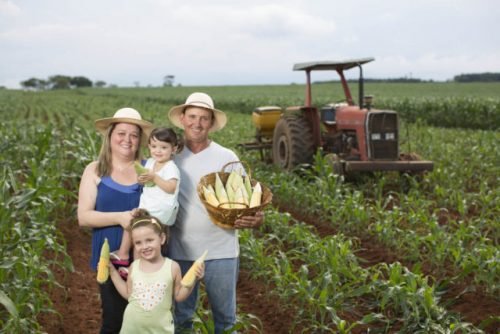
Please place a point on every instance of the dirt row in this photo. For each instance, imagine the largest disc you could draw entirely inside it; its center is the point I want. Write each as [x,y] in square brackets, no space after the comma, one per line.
[79,306]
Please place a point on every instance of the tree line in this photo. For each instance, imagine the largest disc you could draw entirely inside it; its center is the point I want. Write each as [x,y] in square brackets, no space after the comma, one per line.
[60,82]
[68,82]
[478,77]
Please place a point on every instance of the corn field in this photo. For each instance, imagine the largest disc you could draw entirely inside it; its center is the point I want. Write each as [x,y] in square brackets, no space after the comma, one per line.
[443,229]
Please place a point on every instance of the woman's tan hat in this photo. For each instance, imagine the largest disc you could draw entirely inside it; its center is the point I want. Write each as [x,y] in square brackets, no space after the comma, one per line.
[126,115]
[201,100]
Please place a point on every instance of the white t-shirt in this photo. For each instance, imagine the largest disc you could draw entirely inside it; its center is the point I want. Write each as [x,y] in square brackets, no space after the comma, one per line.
[194,232]
[159,203]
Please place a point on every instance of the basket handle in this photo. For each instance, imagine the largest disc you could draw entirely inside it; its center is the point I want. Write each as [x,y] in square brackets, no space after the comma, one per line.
[245,165]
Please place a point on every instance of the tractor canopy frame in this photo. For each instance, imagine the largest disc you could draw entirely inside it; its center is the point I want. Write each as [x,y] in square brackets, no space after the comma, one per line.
[339,67]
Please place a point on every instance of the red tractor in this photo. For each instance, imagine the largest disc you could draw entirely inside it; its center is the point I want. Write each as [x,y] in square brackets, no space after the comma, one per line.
[354,137]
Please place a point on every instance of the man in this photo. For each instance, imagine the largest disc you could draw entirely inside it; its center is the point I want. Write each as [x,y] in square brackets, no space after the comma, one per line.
[193,232]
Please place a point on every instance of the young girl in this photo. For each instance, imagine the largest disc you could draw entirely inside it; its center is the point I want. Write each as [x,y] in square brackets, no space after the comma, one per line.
[154,281]
[160,199]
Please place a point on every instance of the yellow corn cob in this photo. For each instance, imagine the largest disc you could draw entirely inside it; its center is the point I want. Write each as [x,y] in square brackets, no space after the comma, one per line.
[102,266]
[140,169]
[256,196]
[190,278]
[210,197]
[221,192]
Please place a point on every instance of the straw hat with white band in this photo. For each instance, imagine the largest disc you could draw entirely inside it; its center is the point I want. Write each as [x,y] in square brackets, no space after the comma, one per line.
[126,115]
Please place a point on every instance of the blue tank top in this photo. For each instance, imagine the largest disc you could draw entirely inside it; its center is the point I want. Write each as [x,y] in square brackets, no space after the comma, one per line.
[112,197]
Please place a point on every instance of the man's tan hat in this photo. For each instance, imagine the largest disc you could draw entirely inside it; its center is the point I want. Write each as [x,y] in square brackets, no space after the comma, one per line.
[201,100]
[126,115]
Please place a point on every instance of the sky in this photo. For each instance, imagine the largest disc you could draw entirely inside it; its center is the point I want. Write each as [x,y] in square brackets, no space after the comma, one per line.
[253,42]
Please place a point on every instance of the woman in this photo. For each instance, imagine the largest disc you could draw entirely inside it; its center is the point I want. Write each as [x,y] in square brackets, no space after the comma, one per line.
[108,194]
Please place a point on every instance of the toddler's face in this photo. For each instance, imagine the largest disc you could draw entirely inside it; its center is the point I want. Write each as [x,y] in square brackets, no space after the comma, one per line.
[161,151]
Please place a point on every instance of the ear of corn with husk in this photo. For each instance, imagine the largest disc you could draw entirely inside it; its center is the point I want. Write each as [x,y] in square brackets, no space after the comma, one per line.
[189,278]
[102,265]
[140,169]
[237,193]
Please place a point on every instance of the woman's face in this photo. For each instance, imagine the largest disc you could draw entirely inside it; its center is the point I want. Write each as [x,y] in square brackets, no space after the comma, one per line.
[125,139]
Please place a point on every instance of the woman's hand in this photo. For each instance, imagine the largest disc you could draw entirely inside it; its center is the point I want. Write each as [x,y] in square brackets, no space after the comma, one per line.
[125,217]
[250,221]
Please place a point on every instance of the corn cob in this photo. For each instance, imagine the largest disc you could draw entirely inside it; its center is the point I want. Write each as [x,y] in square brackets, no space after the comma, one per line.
[210,197]
[102,266]
[248,186]
[239,200]
[190,278]
[220,191]
[140,169]
[256,196]
[230,194]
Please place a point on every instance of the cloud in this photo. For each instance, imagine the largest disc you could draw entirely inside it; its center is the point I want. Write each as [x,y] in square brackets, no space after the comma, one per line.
[8,8]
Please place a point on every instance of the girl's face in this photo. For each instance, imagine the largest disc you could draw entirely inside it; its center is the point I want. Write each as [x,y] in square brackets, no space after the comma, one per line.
[161,151]
[147,242]
[125,139]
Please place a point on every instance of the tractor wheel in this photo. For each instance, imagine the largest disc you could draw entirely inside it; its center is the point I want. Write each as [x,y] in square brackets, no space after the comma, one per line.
[293,142]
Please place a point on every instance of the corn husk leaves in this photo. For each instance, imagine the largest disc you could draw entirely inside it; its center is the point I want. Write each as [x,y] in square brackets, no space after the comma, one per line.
[237,193]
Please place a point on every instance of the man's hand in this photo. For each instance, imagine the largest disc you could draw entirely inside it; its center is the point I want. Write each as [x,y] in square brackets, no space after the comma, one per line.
[250,221]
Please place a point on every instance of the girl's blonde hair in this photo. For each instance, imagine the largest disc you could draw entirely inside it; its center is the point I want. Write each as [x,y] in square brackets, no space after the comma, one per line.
[104,163]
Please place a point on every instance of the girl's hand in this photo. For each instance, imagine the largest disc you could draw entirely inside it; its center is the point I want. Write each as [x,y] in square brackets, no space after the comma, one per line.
[146,177]
[200,272]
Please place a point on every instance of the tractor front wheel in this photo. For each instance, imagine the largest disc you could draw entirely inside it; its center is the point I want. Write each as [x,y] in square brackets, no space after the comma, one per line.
[293,142]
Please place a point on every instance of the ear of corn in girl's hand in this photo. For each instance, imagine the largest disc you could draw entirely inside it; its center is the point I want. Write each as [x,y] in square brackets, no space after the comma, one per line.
[190,278]
[102,266]
[140,169]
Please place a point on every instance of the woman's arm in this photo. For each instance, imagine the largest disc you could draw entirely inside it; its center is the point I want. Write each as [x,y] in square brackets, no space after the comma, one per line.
[87,194]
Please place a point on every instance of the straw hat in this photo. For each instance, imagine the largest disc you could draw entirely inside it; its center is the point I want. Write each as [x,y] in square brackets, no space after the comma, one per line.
[126,115]
[198,100]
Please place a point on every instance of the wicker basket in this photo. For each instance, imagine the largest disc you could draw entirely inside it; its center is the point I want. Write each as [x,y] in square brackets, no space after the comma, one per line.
[225,217]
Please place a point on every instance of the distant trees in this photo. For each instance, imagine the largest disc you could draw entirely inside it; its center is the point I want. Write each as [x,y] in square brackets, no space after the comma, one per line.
[168,80]
[58,82]
[477,77]
[35,84]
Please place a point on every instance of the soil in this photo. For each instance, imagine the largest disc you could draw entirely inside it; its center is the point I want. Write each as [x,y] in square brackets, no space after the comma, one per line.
[77,301]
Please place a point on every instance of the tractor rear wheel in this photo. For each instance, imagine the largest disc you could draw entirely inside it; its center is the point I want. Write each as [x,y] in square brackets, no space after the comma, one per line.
[293,142]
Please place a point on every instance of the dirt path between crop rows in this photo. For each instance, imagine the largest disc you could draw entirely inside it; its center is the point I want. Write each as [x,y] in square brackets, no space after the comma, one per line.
[474,306]
[79,306]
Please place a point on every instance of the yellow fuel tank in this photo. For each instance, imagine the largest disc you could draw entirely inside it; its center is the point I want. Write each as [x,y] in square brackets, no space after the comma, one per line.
[265,119]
